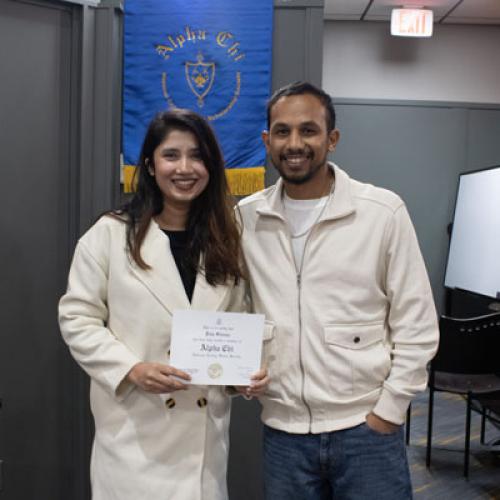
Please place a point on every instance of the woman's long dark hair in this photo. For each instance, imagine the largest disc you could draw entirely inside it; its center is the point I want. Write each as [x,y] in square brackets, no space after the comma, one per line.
[211,226]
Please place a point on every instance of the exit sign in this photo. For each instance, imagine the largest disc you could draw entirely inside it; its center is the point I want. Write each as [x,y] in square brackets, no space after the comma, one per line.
[411,22]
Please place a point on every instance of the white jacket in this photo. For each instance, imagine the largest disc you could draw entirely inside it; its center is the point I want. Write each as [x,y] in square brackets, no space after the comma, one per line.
[354,330]
[115,315]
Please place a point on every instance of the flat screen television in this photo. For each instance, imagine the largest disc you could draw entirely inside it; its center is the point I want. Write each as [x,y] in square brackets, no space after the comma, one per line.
[474,255]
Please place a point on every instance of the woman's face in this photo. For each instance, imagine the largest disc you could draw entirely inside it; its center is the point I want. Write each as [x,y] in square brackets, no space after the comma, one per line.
[178,169]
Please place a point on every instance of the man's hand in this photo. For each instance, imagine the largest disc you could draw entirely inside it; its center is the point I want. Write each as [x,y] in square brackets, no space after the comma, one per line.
[157,378]
[258,384]
[380,425]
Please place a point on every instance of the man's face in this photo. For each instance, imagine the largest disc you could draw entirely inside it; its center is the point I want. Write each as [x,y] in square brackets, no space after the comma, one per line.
[298,141]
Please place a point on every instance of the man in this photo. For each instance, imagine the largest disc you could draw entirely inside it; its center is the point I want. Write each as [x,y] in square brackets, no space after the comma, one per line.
[335,267]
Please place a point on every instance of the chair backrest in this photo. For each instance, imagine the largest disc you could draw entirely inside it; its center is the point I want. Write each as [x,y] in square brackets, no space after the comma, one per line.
[468,346]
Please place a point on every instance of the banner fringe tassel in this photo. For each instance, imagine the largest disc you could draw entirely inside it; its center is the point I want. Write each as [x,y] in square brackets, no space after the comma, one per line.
[245,181]
[129,183]
[241,181]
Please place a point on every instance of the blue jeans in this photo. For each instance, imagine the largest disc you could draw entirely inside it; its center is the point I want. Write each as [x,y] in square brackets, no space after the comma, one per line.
[351,464]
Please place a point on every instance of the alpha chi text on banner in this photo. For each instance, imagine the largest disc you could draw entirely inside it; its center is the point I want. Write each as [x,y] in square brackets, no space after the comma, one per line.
[211,56]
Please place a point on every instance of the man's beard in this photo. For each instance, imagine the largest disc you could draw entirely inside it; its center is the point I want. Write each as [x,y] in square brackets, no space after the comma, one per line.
[314,169]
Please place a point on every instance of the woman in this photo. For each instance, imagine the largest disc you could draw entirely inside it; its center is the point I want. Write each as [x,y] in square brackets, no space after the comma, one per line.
[174,246]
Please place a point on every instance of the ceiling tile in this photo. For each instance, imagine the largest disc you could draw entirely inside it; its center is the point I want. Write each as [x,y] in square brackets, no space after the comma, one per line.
[476,12]
[381,9]
[466,11]
[345,9]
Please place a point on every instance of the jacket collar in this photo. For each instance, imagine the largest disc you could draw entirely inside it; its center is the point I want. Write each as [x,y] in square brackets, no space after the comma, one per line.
[340,205]
[163,279]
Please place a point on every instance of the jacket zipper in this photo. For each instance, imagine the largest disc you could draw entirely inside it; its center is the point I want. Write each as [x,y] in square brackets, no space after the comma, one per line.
[299,308]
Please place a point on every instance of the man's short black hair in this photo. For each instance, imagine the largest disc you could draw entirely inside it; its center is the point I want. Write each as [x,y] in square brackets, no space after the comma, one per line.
[300,88]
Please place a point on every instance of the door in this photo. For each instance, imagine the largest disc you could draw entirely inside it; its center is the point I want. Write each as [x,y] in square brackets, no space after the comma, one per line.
[35,225]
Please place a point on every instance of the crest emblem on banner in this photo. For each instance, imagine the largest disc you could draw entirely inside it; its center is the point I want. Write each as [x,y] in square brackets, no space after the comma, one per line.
[200,76]
[211,63]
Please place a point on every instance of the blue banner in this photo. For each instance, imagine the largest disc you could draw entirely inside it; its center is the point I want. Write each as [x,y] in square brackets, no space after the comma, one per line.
[211,56]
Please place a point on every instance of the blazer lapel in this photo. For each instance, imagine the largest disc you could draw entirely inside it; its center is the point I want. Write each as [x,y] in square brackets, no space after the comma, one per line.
[206,297]
[163,279]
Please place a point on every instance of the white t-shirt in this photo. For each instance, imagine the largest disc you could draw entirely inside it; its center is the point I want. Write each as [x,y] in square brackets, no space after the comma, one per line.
[301,216]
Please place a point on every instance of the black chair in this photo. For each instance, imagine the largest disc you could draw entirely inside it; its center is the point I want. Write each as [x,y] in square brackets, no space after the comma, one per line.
[490,411]
[466,363]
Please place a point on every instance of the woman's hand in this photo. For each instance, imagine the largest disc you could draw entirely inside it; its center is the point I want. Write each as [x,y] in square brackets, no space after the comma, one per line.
[157,378]
[258,384]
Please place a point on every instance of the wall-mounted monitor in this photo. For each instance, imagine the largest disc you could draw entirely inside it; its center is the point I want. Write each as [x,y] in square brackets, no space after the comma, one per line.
[474,255]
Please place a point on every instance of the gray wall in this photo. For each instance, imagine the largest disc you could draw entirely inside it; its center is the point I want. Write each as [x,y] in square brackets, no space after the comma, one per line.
[59,147]
[418,150]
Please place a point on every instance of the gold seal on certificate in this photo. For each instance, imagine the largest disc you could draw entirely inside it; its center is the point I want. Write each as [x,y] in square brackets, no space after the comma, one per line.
[215,370]
[216,348]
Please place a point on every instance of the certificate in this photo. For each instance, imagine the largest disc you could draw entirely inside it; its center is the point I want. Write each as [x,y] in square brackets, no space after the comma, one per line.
[216,348]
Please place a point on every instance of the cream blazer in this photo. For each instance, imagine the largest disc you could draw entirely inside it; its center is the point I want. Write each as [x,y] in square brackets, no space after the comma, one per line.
[114,315]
